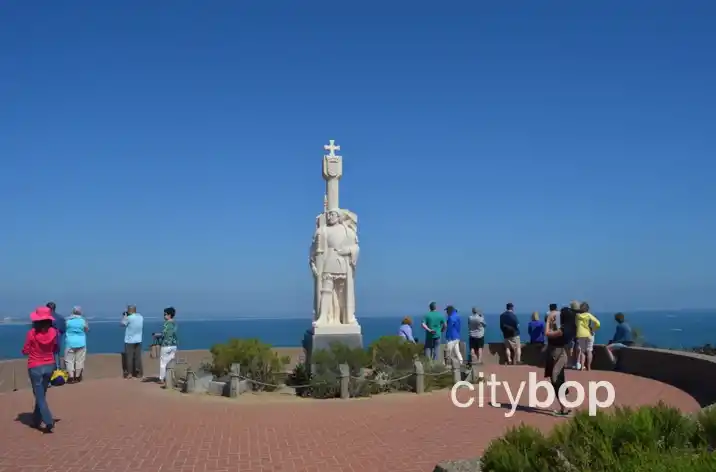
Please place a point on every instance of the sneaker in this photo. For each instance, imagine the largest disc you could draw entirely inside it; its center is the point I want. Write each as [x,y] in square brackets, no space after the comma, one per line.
[562,413]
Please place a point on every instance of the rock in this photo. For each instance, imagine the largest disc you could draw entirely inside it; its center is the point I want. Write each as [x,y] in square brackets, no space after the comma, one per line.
[244,386]
[468,465]
[218,388]
[203,380]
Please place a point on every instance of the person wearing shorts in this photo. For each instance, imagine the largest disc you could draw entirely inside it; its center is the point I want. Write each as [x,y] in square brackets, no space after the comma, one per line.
[586,325]
[476,324]
[511,333]
[434,325]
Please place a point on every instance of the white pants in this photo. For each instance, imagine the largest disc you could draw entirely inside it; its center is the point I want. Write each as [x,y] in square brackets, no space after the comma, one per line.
[166,355]
[75,360]
[453,350]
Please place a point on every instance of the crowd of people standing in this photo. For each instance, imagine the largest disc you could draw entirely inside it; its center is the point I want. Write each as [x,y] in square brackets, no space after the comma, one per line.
[565,336]
[56,347]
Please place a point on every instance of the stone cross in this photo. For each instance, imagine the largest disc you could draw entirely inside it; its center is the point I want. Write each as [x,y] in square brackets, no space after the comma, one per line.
[332,173]
[332,148]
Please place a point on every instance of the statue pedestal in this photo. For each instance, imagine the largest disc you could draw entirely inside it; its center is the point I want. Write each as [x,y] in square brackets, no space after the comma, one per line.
[321,337]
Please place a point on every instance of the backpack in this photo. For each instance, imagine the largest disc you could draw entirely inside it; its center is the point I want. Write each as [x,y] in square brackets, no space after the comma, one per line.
[569,324]
[60,324]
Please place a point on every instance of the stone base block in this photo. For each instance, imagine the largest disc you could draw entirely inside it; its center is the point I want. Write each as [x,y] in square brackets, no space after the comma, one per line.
[324,341]
[321,337]
[341,329]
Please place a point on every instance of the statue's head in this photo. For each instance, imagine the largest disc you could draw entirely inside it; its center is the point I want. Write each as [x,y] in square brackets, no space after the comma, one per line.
[334,216]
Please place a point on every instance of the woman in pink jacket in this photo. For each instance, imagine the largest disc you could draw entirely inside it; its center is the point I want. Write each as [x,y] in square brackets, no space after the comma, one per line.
[41,345]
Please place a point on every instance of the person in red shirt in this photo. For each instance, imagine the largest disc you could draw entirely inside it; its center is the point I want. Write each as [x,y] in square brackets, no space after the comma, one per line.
[41,345]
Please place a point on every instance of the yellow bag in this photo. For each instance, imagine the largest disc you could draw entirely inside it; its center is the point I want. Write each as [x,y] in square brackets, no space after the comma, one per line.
[59,377]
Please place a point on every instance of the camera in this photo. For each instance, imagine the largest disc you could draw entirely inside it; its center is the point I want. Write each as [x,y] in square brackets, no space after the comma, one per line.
[126,313]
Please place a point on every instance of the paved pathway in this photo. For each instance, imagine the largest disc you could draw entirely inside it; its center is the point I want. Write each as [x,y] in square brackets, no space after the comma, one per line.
[116,425]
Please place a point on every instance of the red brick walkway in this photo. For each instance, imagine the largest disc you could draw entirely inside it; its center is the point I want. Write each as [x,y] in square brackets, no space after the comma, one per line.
[116,425]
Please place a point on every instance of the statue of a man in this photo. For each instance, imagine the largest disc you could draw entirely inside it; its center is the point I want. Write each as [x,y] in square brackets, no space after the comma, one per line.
[334,255]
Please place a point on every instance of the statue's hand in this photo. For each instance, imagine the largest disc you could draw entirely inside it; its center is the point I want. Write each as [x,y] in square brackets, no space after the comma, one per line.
[343,252]
[314,269]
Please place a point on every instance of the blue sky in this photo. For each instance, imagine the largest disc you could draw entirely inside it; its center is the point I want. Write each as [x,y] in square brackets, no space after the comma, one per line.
[170,152]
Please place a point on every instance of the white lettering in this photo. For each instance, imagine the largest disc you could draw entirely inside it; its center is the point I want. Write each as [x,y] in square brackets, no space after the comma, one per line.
[481,391]
[534,385]
[493,383]
[514,401]
[453,394]
[594,402]
[563,394]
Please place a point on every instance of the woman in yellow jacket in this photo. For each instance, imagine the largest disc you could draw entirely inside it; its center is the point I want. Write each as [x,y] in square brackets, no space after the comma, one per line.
[586,325]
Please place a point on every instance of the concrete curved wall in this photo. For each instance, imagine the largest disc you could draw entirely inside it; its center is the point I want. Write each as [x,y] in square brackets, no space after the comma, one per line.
[690,372]
[693,373]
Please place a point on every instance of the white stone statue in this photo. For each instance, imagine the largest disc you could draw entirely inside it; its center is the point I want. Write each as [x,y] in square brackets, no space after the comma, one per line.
[334,254]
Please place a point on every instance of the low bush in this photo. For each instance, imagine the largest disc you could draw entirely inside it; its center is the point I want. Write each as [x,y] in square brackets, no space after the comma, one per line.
[665,461]
[300,379]
[520,450]
[437,376]
[706,419]
[609,437]
[646,439]
[325,378]
[257,361]
[392,361]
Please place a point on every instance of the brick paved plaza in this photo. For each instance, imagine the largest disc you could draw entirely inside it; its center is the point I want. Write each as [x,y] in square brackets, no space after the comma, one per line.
[116,425]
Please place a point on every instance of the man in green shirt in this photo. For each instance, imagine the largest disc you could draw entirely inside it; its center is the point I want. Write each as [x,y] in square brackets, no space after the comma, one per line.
[434,325]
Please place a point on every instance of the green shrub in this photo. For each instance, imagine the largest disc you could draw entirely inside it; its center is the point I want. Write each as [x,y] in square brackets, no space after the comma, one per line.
[437,376]
[608,437]
[666,461]
[257,360]
[652,438]
[393,358]
[707,425]
[325,375]
[300,379]
[522,449]
[393,352]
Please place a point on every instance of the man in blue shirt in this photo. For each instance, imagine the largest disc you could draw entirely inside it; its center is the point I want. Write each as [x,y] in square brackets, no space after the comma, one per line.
[60,324]
[622,338]
[452,334]
[511,333]
[134,326]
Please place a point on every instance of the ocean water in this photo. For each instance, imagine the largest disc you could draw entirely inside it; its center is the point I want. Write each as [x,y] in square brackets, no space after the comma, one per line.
[675,329]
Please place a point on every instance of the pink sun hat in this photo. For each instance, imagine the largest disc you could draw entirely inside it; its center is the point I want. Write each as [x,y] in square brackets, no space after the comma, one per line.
[41,314]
